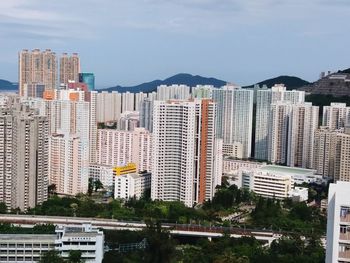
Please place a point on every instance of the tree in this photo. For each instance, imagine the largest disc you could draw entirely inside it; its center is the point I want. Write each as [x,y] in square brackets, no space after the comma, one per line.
[3,208]
[51,256]
[90,186]
[98,185]
[230,257]
[74,256]
[161,246]
[74,207]
[52,189]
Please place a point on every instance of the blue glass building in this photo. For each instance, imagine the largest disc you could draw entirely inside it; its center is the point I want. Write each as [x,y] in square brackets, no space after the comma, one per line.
[88,79]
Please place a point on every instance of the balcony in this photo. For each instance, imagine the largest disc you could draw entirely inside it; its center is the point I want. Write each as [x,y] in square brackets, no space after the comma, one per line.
[345,218]
[344,254]
[344,236]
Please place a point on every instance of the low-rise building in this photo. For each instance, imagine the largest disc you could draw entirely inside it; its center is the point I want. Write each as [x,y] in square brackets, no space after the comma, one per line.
[273,181]
[30,247]
[85,238]
[24,247]
[104,173]
[132,185]
[231,166]
[299,194]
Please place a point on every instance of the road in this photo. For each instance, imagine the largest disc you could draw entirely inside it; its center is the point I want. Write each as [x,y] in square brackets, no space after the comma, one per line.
[174,229]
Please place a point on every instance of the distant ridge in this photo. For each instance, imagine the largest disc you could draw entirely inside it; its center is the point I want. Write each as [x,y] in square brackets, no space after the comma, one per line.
[345,71]
[7,85]
[182,78]
[290,82]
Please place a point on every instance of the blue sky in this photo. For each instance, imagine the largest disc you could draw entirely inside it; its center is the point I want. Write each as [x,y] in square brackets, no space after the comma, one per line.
[128,42]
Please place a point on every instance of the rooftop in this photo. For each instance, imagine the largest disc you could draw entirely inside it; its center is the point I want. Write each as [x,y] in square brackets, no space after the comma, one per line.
[287,170]
[27,237]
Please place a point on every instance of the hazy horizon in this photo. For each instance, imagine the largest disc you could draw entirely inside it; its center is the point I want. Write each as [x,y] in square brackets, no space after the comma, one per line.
[132,42]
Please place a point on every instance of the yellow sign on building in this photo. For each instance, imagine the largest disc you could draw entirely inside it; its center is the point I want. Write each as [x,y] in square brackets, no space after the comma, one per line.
[127,169]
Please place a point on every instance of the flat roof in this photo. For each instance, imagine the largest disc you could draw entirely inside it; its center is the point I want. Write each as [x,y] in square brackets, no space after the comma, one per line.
[27,237]
[287,170]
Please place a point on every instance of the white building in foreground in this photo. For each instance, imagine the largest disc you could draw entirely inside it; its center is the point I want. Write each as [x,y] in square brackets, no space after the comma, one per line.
[338,223]
[29,247]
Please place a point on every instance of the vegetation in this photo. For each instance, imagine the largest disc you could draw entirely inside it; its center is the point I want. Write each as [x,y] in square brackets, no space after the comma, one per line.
[290,82]
[53,256]
[83,206]
[3,208]
[288,216]
[163,248]
[74,256]
[326,100]
[295,219]
[258,212]
[7,228]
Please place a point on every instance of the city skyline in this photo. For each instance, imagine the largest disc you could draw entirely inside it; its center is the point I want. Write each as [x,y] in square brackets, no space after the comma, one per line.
[135,42]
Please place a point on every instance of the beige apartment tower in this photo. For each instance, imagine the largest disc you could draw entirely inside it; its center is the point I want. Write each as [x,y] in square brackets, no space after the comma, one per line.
[328,151]
[23,157]
[37,67]
[344,174]
[69,68]
[332,153]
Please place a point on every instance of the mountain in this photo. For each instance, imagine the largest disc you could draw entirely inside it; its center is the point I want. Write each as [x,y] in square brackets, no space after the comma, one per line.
[7,85]
[289,81]
[182,78]
[345,71]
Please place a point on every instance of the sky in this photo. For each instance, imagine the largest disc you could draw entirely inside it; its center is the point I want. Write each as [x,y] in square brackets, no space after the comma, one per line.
[128,42]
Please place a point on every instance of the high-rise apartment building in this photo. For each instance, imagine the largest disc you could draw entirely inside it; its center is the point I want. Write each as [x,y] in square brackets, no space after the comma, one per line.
[23,157]
[139,97]
[69,68]
[338,223]
[202,91]
[344,172]
[109,106]
[264,99]
[327,152]
[128,101]
[37,67]
[176,92]
[117,147]
[278,132]
[66,170]
[303,122]
[70,130]
[93,126]
[336,116]
[129,121]
[234,120]
[332,153]
[183,160]
[146,114]
[89,79]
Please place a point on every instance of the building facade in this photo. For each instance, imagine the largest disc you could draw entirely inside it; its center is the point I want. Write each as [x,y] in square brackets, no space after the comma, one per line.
[234,119]
[183,151]
[23,157]
[264,99]
[338,223]
[132,185]
[117,147]
[336,116]
[28,248]
[69,68]
[37,67]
